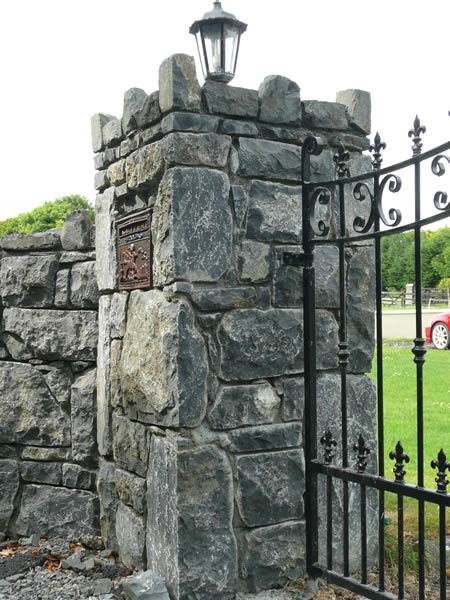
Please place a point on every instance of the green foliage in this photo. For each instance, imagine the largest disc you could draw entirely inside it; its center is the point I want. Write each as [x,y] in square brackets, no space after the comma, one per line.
[49,215]
[397,252]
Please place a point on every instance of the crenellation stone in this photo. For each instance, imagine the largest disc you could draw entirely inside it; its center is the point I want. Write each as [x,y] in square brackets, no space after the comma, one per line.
[28,281]
[269,160]
[83,285]
[266,437]
[181,121]
[326,115]
[76,233]
[280,101]
[206,149]
[144,166]
[359,108]
[112,132]
[130,444]
[83,416]
[178,85]
[229,100]
[105,240]
[139,109]
[98,121]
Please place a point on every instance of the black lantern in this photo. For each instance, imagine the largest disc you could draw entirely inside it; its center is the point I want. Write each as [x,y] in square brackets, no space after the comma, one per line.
[218,35]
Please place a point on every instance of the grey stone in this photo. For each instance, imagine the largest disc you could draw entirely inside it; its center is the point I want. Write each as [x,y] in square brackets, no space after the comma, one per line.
[288,279]
[56,546]
[45,454]
[83,285]
[104,436]
[163,367]
[101,180]
[9,486]
[209,320]
[108,499]
[102,586]
[9,451]
[323,168]
[254,261]
[112,132]
[150,134]
[224,298]
[82,409]
[240,203]
[59,380]
[56,511]
[230,127]
[75,476]
[41,472]
[28,412]
[359,108]
[282,134]
[178,85]
[360,309]
[118,314]
[139,110]
[178,121]
[280,100]
[293,399]
[62,288]
[274,212]
[104,159]
[266,437]
[74,256]
[269,160]
[50,334]
[28,281]
[182,246]
[76,233]
[207,149]
[130,444]
[270,487]
[131,490]
[144,166]
[116,172]
[130,533]
[229,100]
[326,115]
[244,405]
[145,586]
[46,240]
[122,192]
[98,121]
[350,141]
[274,556]
[115,387]
[105,240]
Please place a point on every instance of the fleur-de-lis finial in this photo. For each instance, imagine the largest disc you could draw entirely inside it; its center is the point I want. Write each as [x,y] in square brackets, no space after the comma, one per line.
[399,458]
[340,159]
[415,134]
[376,148]
[328,442]
[363,451]
[442,465]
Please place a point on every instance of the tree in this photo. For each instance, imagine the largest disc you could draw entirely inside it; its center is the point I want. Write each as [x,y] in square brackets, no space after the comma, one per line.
[49,215]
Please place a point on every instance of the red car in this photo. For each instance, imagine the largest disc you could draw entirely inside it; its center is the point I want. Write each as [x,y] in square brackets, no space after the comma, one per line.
[438,331]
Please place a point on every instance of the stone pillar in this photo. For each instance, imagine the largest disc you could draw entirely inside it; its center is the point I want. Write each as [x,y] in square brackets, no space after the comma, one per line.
[200,379]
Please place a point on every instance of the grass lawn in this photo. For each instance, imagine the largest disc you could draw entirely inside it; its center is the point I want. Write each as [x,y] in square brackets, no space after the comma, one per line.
[400,424]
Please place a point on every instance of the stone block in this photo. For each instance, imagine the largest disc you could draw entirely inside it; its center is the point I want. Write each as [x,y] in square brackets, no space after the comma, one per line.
[266,437]
[105,240]
[325,115]
[240,405]
[274,555]
[178,85]
[118,314]
[144,166]
[108,500]
[75,476]
[163,366]
[240,203]
[45,454]
[145,586]
[350,141]
[269,160]
[115,388]
[182,245]
[293,399]
[46,240]
[130,444]
[139,110]
[180,121]
[59,381]
[29,414]
[9,486]
[98,121]
[254,261]
[280,100]
[50,334]
[359,108]
[104,435]
[130,533]
[231,127]
[224,298]
[62,288]
[191,149]
[70,257]
[270,487]
[83,285]
[83,417]
[131,490]
[282,133]
[76,233]
[101,180]
[230,100]
[112,132]
[41,472]
[52,511]
[116,172]
[274,212]
[28,281]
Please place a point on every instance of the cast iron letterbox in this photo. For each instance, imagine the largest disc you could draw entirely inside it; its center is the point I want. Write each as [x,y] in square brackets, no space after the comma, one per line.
[134,249]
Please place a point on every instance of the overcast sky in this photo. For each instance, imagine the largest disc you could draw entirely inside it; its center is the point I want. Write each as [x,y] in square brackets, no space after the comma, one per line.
[64,60]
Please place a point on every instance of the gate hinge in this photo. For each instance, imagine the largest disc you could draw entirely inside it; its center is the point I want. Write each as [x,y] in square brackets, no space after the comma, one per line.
[294,259]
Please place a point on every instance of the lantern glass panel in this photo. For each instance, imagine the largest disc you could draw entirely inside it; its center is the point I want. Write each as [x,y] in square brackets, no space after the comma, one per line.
[231,35]
[212,35]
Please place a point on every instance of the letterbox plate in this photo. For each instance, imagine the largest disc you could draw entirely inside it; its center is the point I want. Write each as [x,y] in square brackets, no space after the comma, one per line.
[134,249]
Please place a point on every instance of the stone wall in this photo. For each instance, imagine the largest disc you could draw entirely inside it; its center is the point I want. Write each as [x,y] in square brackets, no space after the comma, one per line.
[200,380]
[48,348]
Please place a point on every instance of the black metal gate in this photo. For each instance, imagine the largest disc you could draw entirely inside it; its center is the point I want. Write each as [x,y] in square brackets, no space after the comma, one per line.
[351,473]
